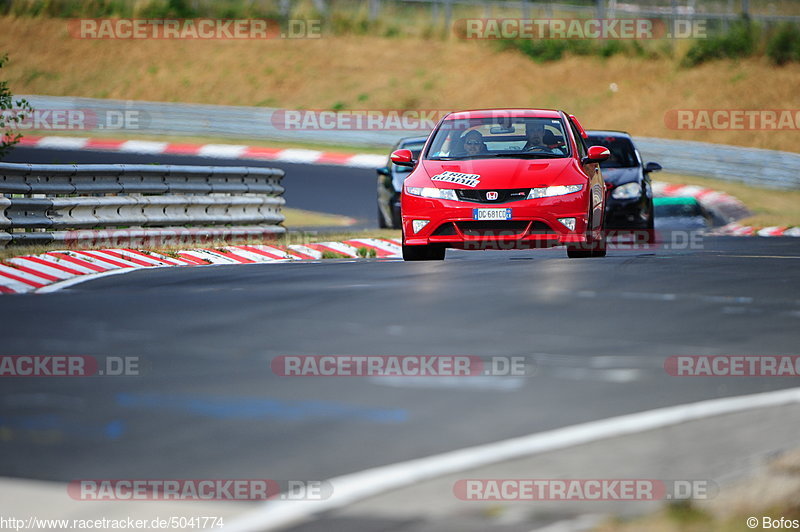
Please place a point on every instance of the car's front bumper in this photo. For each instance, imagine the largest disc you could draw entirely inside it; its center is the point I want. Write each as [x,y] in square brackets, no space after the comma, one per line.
[533,223]
[631,213]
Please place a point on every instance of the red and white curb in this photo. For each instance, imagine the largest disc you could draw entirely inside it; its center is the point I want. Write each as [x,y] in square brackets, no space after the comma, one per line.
[214,151]
[720,201]
[734,229]
[49,271]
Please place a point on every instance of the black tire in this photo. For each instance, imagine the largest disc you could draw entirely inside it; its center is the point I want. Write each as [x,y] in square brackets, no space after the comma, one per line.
[600,248]
[381,219]
[578,252]
[429,252]
[592,248]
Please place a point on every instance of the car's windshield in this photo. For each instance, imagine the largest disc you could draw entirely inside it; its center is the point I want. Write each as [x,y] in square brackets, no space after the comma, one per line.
[499,136]
[623,154]
[681,210]
[416,149]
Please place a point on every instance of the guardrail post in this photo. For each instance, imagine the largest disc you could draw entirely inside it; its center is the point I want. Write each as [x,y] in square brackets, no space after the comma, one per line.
[601,9]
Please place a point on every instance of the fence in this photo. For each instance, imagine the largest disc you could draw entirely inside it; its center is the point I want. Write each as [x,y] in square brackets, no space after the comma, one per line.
[68,203]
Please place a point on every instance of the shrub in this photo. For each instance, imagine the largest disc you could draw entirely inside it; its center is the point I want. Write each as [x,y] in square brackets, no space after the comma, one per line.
[739,41]
[784,44]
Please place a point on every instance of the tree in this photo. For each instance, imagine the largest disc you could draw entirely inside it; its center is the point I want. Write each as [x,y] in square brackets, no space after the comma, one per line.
[12,113]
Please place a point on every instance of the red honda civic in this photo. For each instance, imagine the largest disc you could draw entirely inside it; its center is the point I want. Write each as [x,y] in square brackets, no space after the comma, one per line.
[504,179]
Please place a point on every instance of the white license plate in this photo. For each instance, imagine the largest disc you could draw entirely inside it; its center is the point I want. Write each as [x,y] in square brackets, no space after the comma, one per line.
[491,214]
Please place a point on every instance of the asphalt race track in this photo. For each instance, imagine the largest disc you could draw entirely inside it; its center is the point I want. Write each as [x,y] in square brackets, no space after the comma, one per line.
[207,403]
[595,331]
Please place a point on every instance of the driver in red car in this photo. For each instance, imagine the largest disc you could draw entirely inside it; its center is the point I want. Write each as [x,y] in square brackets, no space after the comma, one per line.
[540,139]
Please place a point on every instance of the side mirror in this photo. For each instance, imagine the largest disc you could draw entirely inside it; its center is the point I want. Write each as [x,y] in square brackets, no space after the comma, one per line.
[383,171]
[596,154]
[652,167]
[402,158]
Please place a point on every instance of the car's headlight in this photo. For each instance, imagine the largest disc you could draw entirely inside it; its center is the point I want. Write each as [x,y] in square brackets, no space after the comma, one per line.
[435,193]
[558,190]
[627,191]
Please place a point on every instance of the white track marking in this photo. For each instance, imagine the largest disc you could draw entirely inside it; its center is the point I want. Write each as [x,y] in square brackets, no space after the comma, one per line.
[63,143]
[299,156]
[55,287]
[347,489]
[143,146]
[222,151]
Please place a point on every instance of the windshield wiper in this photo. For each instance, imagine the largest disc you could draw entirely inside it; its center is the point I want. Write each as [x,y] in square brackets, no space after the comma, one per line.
[529,155]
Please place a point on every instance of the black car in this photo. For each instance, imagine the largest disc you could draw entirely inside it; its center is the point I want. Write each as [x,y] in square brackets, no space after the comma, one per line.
[629,204]
[390,183]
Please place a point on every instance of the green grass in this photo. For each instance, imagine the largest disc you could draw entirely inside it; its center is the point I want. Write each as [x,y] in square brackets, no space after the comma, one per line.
[303,218]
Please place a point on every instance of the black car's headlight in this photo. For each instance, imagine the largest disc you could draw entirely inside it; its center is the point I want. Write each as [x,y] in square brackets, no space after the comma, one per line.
[627,191]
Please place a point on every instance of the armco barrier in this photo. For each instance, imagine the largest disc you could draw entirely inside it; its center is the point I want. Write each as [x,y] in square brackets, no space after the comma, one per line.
[45,203]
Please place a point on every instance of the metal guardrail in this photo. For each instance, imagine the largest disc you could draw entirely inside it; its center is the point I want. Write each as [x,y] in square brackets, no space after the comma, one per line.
[752,166]
[757,167]
[45,203]
[668,9]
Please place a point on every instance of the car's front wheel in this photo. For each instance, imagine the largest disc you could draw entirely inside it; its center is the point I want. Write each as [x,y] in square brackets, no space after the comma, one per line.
[428,252]
[591,248]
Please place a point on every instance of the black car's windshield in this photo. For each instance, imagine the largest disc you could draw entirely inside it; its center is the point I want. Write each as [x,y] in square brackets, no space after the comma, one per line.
[623,154]
[681,210]
[416,149]
[499,136]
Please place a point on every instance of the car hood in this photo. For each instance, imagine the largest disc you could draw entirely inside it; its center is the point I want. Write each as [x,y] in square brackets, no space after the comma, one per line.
[618,176]
[501,173]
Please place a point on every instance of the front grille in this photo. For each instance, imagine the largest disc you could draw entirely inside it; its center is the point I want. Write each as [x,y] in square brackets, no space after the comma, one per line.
[493,228]
[503,195]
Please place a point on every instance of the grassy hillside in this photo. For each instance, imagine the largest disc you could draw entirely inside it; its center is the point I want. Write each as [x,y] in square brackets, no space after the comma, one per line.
[371,72]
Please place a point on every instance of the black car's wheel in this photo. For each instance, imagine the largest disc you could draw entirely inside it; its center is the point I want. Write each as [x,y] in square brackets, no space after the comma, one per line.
[381,219]
[429,252]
